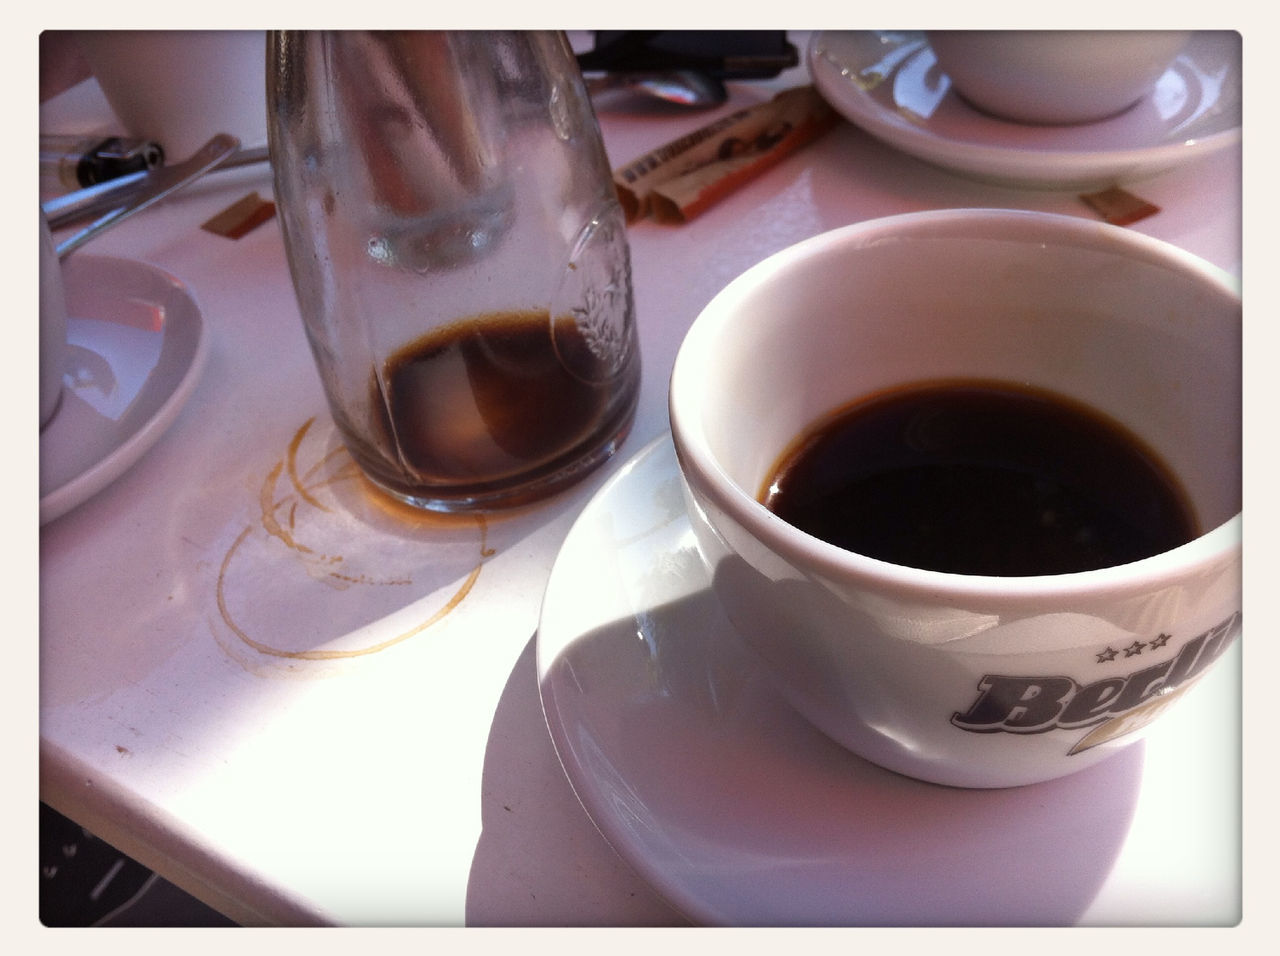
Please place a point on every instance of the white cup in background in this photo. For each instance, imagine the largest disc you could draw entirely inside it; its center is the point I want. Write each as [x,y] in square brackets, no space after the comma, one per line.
[179,88]
[1055,76]
[53,325]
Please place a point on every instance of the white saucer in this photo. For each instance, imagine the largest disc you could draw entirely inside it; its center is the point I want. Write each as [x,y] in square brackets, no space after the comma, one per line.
[889,84]
[740,813]
[137,349]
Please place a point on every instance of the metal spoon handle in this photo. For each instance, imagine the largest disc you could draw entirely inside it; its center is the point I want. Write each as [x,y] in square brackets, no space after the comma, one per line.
[65,209]
[162,182]
[101,197]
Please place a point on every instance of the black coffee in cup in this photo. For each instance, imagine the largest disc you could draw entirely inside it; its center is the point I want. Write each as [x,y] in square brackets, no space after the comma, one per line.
[980,477]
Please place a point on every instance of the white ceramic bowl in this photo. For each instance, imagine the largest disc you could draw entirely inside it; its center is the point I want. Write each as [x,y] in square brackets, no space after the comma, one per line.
[181,87]
[912,669]
[1055,76]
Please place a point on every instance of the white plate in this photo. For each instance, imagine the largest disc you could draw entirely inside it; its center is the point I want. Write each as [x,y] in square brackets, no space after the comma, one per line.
[889,84]
[137,347]
[740,813]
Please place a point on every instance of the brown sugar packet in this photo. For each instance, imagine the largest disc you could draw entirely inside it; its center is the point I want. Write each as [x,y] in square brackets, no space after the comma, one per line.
[241,217]
[1118,207]
[683,178]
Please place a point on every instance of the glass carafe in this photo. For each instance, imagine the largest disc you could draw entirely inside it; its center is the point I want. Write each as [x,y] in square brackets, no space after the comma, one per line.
[459,258]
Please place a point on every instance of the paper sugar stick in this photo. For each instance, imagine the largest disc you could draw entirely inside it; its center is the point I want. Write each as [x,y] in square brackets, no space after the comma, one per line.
[683,178]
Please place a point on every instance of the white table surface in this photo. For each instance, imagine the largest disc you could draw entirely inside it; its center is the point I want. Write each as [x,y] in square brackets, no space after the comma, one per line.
[417,785]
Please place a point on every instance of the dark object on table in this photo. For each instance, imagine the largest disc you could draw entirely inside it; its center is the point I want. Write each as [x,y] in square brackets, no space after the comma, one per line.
[85,881]
[725,54]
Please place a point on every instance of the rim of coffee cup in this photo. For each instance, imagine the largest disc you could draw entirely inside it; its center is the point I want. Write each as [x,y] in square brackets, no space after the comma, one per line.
[700,465]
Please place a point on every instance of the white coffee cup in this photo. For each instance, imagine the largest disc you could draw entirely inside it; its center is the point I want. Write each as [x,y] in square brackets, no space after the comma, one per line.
[181,87]
[1055,76]
[53,325]
[968,680]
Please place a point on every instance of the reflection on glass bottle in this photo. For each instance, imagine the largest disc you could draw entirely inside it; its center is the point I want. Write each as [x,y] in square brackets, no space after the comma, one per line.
[459,257]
